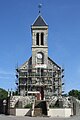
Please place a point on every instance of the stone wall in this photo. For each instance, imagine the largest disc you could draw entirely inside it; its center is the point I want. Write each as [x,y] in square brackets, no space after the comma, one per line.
[20,112]
[59,112]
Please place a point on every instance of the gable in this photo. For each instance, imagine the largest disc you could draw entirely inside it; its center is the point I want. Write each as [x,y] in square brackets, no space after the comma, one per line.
[52,64]
[27,64]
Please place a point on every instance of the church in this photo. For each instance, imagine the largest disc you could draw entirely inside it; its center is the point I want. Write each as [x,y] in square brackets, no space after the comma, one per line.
[39,76]
[39,82]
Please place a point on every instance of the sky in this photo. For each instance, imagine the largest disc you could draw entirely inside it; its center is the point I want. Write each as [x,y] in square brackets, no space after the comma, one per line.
[63,18]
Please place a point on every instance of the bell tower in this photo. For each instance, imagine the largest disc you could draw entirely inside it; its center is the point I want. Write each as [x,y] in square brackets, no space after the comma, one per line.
[39,31]
[39,76]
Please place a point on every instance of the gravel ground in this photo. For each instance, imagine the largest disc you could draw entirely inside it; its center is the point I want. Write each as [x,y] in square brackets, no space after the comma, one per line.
[3,117]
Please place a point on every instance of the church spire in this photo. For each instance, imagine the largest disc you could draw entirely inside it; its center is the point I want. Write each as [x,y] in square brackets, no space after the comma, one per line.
[39,20]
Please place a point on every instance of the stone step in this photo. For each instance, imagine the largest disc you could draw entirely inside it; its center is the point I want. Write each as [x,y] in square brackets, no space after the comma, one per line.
[37,112]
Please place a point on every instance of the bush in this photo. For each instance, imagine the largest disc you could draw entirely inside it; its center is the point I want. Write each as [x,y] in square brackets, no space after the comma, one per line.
[3,94]
[74,93]
[28,106]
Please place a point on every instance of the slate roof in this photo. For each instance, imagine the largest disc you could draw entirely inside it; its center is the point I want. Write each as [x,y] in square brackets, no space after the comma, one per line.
[39,22]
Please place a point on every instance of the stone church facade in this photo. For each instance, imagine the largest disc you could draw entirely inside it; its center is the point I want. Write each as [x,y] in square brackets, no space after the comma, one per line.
[40,75]
[39,82]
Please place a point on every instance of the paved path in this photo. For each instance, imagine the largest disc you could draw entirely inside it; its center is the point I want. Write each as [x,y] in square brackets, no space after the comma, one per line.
[3,117]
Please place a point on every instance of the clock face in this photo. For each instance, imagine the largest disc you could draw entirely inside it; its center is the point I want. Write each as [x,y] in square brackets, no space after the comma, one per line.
[39,55]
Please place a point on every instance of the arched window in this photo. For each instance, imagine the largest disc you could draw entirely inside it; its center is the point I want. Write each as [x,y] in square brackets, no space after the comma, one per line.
[37,39]
[42,38]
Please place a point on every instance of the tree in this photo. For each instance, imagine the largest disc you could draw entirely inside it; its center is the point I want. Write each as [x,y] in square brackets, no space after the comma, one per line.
[3,94]
[74,93]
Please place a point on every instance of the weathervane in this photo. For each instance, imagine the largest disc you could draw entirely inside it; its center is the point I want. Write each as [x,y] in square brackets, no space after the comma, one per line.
[39,6]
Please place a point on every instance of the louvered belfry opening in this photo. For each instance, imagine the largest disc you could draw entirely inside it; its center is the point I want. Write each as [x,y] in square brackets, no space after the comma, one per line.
[37,39]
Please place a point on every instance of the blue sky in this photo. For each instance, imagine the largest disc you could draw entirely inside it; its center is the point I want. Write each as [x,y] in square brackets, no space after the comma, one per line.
[63,18]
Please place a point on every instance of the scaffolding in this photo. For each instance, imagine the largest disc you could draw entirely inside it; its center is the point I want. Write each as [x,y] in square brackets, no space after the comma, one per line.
[40,79]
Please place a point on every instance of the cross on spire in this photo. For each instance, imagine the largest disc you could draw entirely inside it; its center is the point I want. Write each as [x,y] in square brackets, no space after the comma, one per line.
[40,6]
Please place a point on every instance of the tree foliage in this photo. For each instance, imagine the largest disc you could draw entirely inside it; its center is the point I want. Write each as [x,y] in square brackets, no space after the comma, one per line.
[3,94]
[74,93]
